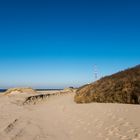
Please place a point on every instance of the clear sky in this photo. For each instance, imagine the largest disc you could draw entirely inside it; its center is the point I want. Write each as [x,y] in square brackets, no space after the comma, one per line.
[56,43]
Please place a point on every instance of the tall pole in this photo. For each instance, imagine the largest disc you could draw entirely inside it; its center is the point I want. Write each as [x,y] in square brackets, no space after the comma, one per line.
[95,72]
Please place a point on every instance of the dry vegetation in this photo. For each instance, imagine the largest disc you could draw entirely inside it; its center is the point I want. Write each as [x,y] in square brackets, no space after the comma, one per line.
[122,87]
[20,90]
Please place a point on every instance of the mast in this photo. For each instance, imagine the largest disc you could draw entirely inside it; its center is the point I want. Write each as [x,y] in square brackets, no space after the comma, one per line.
[95,72]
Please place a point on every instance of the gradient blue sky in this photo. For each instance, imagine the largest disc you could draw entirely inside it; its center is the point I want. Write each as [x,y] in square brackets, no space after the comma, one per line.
[56,43]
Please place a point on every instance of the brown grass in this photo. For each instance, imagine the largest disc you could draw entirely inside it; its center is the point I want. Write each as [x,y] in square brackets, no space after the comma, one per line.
[122,87]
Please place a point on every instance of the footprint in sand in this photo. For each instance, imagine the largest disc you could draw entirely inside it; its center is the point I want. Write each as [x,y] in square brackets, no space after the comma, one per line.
[137,136]
[113,131]
[11,126]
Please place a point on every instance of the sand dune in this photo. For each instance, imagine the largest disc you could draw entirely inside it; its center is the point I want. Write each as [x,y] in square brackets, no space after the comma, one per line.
[121,87]
[60,118]
[20,91]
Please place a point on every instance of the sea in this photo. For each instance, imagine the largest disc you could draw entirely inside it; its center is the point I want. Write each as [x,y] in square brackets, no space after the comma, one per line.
[3,90]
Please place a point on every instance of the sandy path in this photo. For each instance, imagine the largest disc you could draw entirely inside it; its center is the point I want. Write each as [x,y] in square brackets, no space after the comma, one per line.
[61,119]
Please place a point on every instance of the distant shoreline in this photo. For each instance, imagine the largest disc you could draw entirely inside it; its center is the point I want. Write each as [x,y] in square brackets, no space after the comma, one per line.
[3,90]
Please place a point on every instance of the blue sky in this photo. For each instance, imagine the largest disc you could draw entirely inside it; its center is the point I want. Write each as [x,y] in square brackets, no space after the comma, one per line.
[54,44]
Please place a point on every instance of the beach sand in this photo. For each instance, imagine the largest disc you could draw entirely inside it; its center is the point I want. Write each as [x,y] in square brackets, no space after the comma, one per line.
[60,118]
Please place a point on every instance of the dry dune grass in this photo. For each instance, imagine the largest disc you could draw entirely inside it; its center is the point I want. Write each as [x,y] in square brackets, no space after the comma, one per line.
[70,89]
[20,90]
[122,87]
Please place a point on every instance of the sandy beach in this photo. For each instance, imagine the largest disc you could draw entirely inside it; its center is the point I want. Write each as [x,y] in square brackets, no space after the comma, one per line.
[69,69]
[60,118]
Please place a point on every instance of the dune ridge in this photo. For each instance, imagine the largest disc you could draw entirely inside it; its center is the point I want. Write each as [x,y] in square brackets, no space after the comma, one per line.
[20,91]
[122,87]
